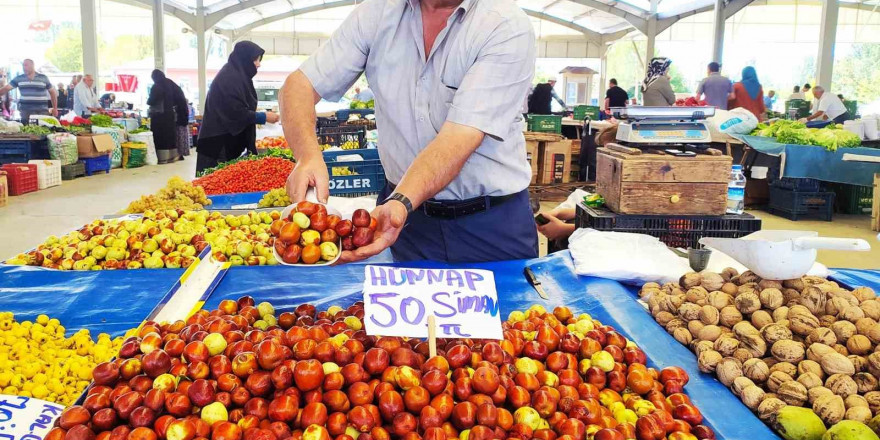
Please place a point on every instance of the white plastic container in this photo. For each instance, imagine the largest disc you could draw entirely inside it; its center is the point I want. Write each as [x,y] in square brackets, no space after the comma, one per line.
[856,127]
[736,191]
[48,173]
[872,127]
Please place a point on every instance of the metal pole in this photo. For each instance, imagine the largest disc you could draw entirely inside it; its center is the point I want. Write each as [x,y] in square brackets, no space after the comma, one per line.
[603,76]
[827,37]
[88,17]
[718,41]
[651,33]
[159,34]
[201,53]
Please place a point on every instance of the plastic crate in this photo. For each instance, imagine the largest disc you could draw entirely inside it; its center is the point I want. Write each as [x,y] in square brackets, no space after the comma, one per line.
[48,173]
[795,205]
[72,171]
[343,114]
[582,111]
[368,176]
[545,123]
[21,150]
[347,137]
[22,178]
[675,231]
[797,184]
[852,199]
[4,189]
[95,164]
[326,122]
[852,108]
[800,106]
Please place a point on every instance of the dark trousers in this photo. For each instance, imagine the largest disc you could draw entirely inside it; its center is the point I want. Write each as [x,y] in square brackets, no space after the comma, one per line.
[26,114]
[504,232]
[842,118]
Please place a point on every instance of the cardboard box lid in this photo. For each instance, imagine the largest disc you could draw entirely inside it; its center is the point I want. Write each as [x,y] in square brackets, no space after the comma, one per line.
[103,143]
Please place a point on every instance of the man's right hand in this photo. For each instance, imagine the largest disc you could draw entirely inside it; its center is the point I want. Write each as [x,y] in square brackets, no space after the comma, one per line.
[272,117]
[309,172]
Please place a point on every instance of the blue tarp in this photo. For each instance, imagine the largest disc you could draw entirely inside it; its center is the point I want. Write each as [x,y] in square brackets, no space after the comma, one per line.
[605,300]
[853,278]
[227,201]
[107,301]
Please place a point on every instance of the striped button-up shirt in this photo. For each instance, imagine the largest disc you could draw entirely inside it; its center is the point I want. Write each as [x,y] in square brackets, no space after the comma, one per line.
[477,74]
[34,92]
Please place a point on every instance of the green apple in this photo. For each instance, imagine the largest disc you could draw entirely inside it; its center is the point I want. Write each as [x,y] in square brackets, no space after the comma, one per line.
[260,324]
[122,235]
[150,245]
[301,220]
[236,260]
[173,262]
[81,265]
[214,412]
[245,249]
[50,240]
[91,260]
[135,265]
[271,261]
[244,219]
[216,343]
[233,221]
[154,263]
[265,308]
[188,250]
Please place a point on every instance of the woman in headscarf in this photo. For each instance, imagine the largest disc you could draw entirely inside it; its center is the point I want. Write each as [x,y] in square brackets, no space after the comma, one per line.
[161,102]
[749,94]
[229,122]
[181,115]
[656,90]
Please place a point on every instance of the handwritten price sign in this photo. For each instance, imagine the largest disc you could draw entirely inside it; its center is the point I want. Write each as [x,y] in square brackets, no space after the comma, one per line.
[24,418]
[398,301]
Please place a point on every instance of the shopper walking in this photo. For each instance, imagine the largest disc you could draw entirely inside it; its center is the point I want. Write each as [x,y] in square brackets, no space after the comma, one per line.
[36,94]
[542,96]
[716,88]
[829,107]
[749,94]
[615,96]
[85,101]
[62,97]
[448,100]
[162,121]
[656,90]
[230,115]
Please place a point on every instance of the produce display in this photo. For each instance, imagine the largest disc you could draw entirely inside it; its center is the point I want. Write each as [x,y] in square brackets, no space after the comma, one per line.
[272,142]
[277,198]
[177,194]
[310,236]
[342,171]
[261,174]
[36,360]
[830,137]
[690,101]
[78,121]
[360,105]
[347,145]
[36,130]
[99,120]
[240,372]
[273,152]
[162,239]
[801,353]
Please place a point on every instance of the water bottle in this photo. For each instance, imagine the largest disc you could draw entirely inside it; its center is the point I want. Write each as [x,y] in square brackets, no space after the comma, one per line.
[736,191]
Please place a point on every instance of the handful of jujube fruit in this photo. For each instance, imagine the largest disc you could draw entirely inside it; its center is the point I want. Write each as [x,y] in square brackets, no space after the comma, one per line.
[308,233]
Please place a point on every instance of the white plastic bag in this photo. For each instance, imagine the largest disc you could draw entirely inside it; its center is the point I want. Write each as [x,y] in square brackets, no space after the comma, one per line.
[738,121]
[625,257]
[147,138]
[69,116]
[9,126]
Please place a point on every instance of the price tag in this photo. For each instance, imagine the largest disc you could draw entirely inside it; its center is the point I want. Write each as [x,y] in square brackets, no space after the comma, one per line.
[25,418]
[398,301]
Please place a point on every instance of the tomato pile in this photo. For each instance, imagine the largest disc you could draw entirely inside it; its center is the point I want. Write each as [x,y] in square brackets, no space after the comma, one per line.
[247,176]
[272,142]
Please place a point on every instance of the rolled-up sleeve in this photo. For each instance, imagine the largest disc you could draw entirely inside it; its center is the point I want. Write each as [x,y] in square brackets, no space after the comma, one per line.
[492,91]
[340,61]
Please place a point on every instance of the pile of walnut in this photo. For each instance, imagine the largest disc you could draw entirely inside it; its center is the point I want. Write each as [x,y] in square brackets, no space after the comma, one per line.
[804,342]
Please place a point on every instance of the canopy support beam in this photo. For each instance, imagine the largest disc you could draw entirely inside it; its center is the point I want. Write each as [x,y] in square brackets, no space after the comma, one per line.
[159,34]
[651,33]
[201,52]
[89,18]
[827,37]
[718,28]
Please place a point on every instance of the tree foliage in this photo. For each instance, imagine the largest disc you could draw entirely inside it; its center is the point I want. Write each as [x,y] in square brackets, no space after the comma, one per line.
[67,53]
[856,76]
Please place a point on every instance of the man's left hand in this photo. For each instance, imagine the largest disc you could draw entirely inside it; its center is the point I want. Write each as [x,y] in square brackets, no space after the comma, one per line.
[54,112]
[555,229]
[390,219]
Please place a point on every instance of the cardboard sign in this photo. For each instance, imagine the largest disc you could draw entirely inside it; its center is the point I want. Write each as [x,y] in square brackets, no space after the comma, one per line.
[398,301]
[25,418]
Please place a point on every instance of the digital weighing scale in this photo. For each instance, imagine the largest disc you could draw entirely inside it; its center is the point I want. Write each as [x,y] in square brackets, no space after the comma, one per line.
[663,125]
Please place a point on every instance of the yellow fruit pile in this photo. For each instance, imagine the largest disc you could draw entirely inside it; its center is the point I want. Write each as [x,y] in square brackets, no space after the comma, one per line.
[36,360]
[277,198]
[177,194]
[343,171]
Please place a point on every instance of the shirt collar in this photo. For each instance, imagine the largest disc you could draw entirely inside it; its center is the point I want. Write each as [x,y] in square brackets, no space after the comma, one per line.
[465,6]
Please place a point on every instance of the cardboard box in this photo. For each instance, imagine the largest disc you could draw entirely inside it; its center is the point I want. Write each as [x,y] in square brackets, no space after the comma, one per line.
[94,145]
[554,162]
[532,157]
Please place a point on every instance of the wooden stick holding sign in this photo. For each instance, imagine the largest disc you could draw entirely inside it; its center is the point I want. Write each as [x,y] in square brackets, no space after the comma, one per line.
[432,335]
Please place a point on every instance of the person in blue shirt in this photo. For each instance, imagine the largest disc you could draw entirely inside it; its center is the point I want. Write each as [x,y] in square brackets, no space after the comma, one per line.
[363,95]
[770,99]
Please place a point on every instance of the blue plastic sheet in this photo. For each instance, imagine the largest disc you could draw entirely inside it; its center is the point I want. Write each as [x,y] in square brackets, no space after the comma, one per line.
[110,301]
[853,278]
[606,300]
[227,201]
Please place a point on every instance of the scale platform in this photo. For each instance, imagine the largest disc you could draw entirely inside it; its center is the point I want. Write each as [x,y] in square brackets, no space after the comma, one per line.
[663,125]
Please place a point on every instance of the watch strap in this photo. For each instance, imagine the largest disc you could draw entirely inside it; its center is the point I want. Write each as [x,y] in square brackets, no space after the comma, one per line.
[402,199]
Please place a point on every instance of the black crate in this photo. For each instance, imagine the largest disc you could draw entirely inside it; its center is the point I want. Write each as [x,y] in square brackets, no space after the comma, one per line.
[72,171]
[795,205]
[675,231]
[21,150]
[347,139]
[326,122]
[796,184]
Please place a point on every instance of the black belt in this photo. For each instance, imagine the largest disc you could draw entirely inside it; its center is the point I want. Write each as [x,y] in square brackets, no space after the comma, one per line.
[450,209]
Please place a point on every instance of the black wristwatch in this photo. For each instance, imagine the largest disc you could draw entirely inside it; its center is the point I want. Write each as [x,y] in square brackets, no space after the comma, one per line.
[402,199]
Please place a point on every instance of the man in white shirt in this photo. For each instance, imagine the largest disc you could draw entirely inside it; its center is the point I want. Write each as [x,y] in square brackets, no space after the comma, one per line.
[829,107]
[85,100]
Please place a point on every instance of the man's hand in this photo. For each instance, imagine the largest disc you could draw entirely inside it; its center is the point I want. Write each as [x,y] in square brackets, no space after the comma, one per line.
[556,229]
[309,172]
[272,117]
[54,112]
[390,219]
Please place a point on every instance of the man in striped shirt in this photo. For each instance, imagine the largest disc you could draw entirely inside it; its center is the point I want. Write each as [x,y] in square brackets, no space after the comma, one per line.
[37,96]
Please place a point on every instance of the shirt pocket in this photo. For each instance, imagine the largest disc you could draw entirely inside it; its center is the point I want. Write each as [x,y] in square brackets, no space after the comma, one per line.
[439,105]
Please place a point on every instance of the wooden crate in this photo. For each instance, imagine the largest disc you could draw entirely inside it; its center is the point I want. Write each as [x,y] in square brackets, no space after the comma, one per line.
[554,162]
[663,184]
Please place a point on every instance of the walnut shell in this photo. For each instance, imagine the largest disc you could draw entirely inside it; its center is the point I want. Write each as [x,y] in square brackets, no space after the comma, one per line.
[756,370]
[730,316]
[874,363]
[711,281]
[709,315]
[708,360]
[663,317]
[696,295]
[702,346]
[858,345]
[729,288]
[754,344]
[854,400]
[709,333]
[814,299]
[810,380]
[673,324]
[829,408]
[791,297]
[827,320]
[836,363]
[747,303]
[802,323]
[728,273]
[694,327]
[718,299]
[798,309]
[871,309]
[690,279]
[788,351]
[769,407]
[781,314]
[859,414]
[836,305]
[726,345]
[796,284]
[689,311]
[840,348]
[785,367]
[816,351]
[852,314]
[860,363]
[748,277]
[775,332]
[752,396]
[869,328]
[742,354]
[864,293]
[843,330]
[821,335]
[743,328]
[761,318]
[873,399]
[815,393]
[841,384]
[682,335]
[739,384]
[793,393]
[776,379]
[771,298]
[727,370]
[808,366]
[866,382]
